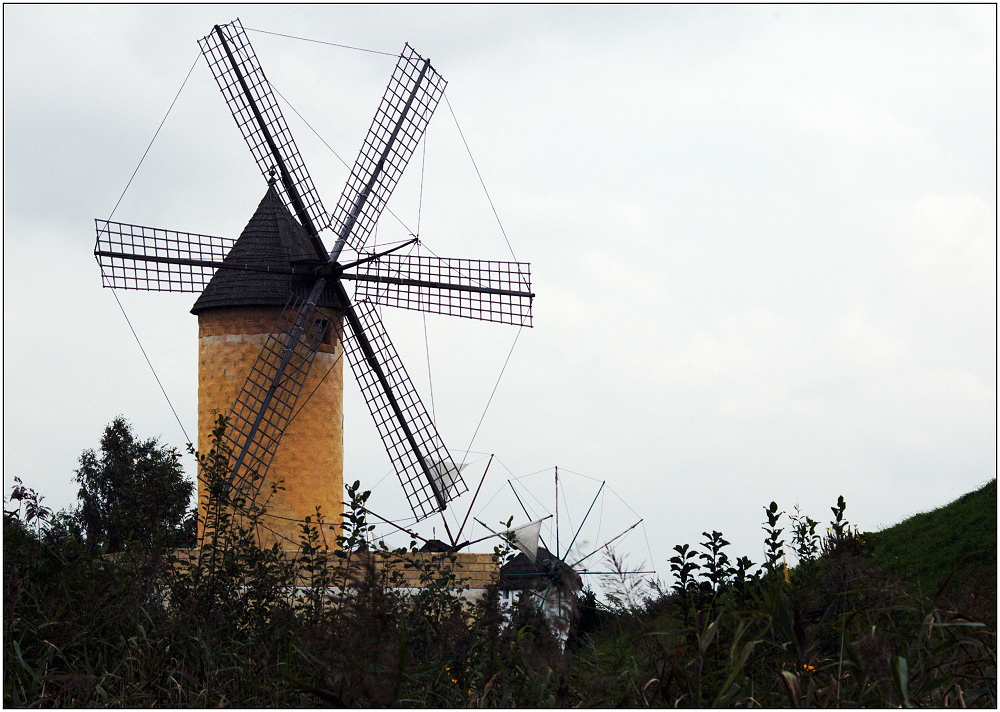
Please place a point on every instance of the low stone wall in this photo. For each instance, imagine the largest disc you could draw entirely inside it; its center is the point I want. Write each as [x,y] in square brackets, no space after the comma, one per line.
[477,570]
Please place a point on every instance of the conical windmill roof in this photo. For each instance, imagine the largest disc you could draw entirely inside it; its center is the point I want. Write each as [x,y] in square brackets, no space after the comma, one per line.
[520,573]
[272,239]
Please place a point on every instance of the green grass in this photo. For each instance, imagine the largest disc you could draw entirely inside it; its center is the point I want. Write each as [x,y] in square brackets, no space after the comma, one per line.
[927,547]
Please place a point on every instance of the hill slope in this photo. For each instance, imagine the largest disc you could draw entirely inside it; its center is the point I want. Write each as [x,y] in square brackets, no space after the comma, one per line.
[931,544]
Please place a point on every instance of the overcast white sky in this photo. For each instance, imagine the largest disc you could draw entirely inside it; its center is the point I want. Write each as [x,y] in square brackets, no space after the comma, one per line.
[762,239]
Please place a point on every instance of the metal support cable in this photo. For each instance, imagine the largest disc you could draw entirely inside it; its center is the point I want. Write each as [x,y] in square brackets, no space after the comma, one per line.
[480,176]
[423,166]
[649,549]
[430,381]
[316,388]
[111,215]
[308,125]
[331,44]
[157,133]
[163,390]
[427,343]
[375,486]
[490,500]
[562,488]
[329,147]
[493,392]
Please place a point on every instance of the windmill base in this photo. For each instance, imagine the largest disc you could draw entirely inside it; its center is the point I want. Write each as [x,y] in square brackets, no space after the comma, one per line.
[308,467]
[398,571]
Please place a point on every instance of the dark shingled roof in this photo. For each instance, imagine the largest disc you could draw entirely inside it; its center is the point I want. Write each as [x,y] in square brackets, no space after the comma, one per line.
[434,546]
[519,573]
[272,238]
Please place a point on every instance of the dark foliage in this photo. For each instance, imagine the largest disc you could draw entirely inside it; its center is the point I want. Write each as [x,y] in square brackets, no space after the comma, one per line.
[132,493]
[235,625]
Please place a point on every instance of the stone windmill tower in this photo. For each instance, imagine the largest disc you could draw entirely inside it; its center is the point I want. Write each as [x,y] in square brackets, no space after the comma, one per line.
[275,316]
[237,313]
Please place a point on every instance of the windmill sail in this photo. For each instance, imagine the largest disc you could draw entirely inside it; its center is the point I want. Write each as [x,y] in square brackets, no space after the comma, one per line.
[445,475]
[476,289]
[426,471]
[266,402]
[526,538]
[407,106]
[248,94]
[137,257]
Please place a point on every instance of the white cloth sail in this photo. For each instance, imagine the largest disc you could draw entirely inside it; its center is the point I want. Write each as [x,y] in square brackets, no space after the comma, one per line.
[445,474]
[526,538]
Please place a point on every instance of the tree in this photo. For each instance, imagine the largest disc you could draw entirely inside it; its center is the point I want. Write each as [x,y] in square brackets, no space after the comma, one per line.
[133,493]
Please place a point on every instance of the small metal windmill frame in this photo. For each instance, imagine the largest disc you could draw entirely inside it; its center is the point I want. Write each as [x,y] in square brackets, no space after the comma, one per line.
[553,581]
[153,259]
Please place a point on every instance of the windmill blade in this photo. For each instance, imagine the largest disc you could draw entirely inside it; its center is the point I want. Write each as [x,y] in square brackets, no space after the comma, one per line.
[248,94]
[148,258]
[429,476]
[264,405]
[156,260]
[476,289]
[407,106]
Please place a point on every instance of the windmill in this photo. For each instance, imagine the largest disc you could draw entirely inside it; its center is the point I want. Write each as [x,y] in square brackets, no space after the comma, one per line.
[275,314]
[548,571]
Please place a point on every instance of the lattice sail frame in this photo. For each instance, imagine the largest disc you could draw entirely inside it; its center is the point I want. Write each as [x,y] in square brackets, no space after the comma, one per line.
[270,113]
[406,108]
[272,414]
[155,260]
[475,289]
[415,479]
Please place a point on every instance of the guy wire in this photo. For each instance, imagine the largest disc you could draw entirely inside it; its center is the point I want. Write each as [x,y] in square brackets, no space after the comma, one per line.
[330,148]
[114,292]
[493,392]
[427,343]
[479,175]
[128,321]
[316,387]
[157,133]
[331,44]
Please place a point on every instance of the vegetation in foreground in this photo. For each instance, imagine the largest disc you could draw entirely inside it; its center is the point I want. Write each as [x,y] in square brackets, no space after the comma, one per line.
[243,627]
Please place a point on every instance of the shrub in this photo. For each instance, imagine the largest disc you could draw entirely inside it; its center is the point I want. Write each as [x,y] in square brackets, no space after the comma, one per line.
[234,624]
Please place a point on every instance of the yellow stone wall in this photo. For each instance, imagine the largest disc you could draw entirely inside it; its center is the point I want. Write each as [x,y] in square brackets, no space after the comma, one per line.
[476,570]
[309,463]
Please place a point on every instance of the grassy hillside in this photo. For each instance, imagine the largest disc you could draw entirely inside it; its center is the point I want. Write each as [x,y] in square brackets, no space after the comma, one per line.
[926,547]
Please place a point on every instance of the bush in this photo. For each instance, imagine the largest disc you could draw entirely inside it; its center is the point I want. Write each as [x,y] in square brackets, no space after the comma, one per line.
[233,624]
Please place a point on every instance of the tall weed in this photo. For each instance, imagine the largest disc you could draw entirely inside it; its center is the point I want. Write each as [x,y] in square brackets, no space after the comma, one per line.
[346,623]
